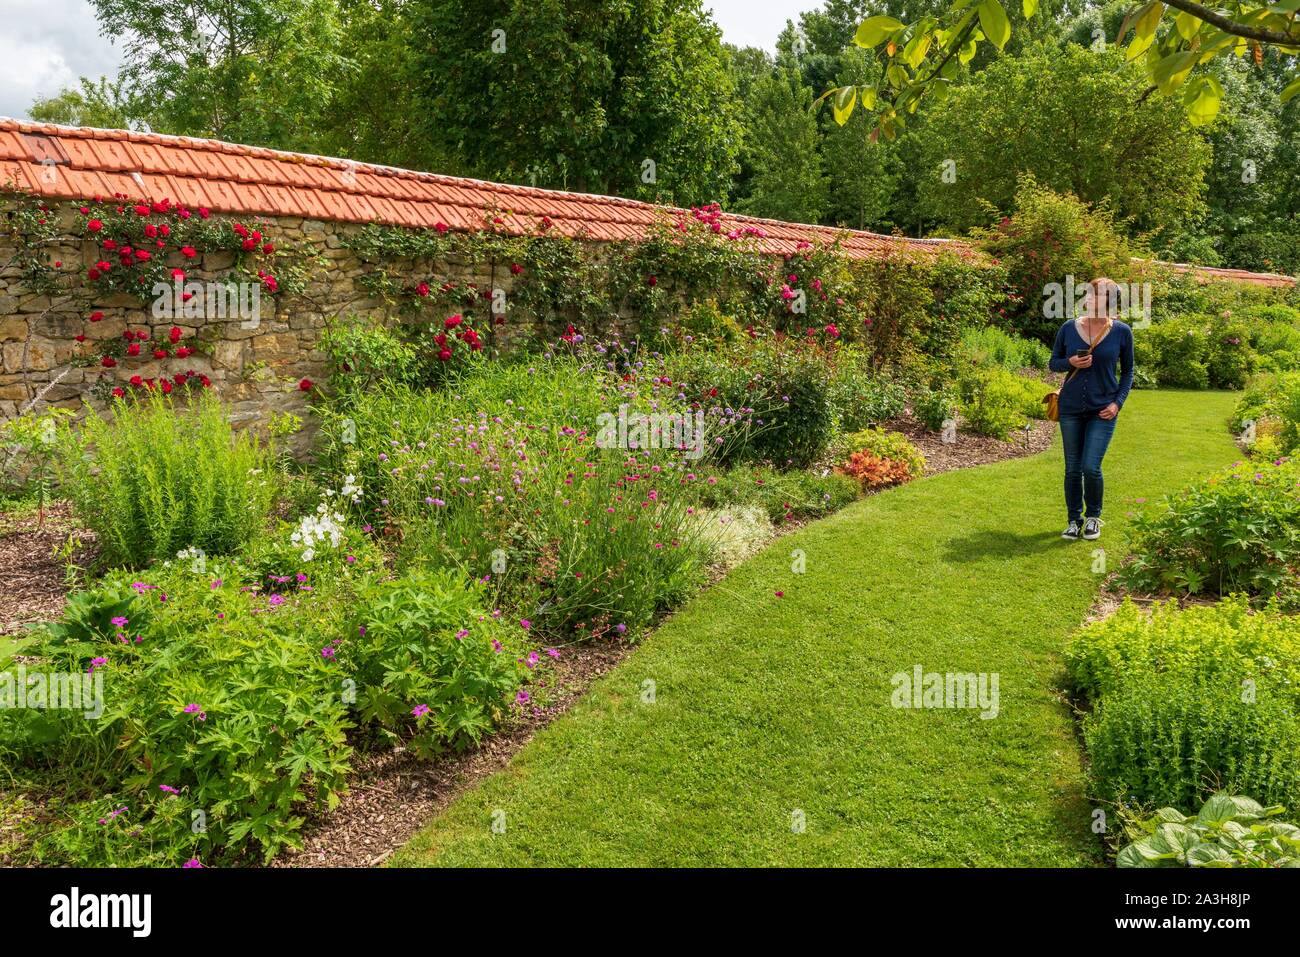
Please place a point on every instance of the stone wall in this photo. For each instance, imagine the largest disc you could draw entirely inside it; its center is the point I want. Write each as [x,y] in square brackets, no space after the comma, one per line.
[256,368]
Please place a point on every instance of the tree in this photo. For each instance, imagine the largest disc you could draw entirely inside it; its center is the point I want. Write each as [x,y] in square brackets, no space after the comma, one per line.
[253,71]
[784,149]
[602,96]
[1073,121]
[921,60]
[861,174]
[104,104]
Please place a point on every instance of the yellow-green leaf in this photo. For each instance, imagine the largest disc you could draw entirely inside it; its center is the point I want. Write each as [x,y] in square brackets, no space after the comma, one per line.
[846,98]
[994,22]
[916,49]
[1144,29]
[1187,25]
[873,31]
[1030,7]
[1202,100]
[868,96]
[1291,90]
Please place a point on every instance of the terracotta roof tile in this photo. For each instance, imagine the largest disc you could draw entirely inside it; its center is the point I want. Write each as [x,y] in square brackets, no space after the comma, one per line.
[253,180]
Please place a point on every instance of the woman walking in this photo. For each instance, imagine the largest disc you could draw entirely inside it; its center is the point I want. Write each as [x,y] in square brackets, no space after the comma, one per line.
[1089,349]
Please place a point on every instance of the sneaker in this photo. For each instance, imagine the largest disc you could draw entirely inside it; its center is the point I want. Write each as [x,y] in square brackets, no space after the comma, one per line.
[1072,531]
[1091,528]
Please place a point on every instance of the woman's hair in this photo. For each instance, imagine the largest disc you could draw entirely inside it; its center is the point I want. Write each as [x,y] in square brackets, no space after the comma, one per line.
[1102,292]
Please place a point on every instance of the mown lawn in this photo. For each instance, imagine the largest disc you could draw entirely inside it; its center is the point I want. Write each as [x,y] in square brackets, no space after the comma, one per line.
[765,705]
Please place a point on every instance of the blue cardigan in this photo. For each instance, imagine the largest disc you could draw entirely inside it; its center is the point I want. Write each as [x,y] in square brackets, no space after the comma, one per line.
[1097,386]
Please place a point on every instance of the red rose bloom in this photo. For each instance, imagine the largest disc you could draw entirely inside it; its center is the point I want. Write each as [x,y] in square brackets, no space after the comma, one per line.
[142,210]
[444,355]
[96,316]
[108,362]
[182,352]
[188,252]
[133,349]
[516,269]
[118,392]
[79,338]
[204,212]
[422,289]
[305,385]
[160,353]
[174,334]
[268,248]
[137,381]
[451,322]
[166,385]
[95,225]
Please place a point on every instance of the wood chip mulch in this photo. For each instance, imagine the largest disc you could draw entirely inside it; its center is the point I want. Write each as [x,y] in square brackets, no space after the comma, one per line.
[32,586]
[970,449]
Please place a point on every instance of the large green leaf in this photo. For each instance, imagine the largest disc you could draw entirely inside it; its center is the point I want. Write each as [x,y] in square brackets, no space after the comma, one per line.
[1170,71]
[842,104]
[1202,100]
[1291,90]
[994,22]
[874,30]
[1144,28]
[1030,7]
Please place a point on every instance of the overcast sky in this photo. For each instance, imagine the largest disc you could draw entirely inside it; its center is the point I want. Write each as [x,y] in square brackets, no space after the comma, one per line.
[46,45]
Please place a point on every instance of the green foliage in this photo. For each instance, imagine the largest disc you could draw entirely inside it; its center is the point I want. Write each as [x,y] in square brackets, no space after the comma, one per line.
[1236,531]
[774,395]
[28,449]
[421,641]
[1228,831]
[788,178]
[934,407]
[364,355]
[985,345]
[232,695]
[1061,115]
[996,402]
[1160,740]
[159,478]
[1268,415]
[579,95]
[1226,641]
[1049,237]
[860,396]
[1196,352]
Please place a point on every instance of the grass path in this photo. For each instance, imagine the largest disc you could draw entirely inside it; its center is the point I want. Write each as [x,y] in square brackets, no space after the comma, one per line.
[764,705]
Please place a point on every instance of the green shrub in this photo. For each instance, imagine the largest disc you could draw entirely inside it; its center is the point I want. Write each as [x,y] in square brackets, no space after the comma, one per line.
[1052,235]
[996,402]
[1237,531]
[421,642]
[782,495]
[770,400]
[861,397]
[1199,644]
[1228,831]
[988,345]
[1268,415]
[1175,353]
[364,354]
[1159,740]
[159,478]
[934,407]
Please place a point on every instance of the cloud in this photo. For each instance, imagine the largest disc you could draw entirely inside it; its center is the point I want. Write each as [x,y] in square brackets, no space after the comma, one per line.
[47,45]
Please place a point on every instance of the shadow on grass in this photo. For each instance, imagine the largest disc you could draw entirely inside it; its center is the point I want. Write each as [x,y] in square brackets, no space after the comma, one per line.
[996,543]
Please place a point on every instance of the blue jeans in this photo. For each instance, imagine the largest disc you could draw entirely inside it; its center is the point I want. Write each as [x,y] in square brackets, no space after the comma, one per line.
[1085,437]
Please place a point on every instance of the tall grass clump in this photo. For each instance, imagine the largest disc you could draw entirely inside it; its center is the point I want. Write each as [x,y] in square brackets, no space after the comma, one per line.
[157,478]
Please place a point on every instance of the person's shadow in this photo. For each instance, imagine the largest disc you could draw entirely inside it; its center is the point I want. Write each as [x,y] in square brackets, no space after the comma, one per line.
[994,543]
